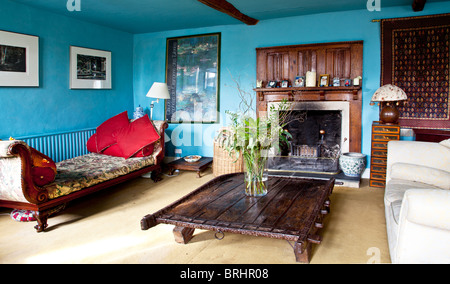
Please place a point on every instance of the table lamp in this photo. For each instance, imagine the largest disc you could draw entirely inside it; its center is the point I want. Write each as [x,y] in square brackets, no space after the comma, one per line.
[157,91]
[388,96]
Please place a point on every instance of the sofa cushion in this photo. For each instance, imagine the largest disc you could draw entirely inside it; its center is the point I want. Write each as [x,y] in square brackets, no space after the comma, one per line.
[146,151]
[423,174]
[113,150]
[43,170]
[395,210]
[445,143]
[137,135]
[105,131]
[395,189]
[91,169]
[91,144]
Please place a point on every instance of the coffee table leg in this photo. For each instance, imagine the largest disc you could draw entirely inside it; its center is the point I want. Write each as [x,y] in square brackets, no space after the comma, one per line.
[302,251]
[183,234]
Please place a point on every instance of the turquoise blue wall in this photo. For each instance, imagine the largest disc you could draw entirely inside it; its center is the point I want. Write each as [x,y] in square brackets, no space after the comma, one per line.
[238,59]
[139,60]
[54,107]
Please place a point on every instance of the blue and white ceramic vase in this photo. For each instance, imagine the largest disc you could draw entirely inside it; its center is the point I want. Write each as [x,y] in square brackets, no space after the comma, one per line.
[352,163]
[139,112]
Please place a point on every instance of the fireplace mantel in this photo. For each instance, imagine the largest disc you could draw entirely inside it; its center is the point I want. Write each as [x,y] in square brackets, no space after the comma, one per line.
[310,93]
[343,60]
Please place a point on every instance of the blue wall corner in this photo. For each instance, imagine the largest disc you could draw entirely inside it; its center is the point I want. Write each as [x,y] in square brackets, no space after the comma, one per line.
[53,106]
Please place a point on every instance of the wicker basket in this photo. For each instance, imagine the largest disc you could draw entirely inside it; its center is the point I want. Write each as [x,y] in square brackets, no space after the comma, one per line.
[224,163]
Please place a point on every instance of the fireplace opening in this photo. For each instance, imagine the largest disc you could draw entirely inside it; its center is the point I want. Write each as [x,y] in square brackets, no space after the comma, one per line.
[317,140]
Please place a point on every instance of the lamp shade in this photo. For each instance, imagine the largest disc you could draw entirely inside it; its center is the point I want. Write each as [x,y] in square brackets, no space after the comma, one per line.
[388,93]
[159,91]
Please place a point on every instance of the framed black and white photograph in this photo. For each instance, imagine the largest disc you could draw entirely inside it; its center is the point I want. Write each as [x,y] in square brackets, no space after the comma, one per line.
[90,68]
[19,60]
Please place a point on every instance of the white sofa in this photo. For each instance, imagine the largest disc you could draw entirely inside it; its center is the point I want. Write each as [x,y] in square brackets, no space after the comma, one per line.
[417,201]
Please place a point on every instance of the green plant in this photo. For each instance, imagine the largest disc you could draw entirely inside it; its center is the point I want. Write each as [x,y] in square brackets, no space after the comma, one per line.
[252,136]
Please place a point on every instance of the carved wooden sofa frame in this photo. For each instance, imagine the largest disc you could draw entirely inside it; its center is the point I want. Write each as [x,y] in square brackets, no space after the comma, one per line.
[38,198]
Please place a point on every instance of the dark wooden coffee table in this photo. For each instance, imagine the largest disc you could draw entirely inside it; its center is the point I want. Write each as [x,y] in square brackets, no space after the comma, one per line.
[181,164]
[293,210]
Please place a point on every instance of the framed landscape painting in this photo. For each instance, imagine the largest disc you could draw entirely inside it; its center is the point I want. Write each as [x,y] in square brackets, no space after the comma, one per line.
[192,76]
[19,60]
[90,68]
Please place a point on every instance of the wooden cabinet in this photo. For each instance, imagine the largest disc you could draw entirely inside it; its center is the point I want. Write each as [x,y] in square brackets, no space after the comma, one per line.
[381,135]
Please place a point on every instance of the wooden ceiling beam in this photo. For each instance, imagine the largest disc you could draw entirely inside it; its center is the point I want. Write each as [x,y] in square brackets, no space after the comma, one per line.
[228,8]
[418,5]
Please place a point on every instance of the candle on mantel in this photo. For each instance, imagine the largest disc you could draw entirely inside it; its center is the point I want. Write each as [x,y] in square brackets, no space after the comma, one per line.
[310,79]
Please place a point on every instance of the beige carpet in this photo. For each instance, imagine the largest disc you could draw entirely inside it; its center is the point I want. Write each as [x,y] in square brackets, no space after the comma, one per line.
[105,228]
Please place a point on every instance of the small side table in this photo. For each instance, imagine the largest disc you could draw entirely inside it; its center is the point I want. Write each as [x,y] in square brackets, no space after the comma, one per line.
[198,166]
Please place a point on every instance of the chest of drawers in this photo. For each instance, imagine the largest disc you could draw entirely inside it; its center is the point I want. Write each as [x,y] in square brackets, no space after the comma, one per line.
[381,135]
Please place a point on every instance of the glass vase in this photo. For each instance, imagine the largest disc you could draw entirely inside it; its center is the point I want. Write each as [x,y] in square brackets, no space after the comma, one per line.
[256,175]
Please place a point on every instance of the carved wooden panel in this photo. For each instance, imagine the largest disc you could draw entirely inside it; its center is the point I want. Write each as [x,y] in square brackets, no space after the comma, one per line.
[338,63]
[342,60]
[277,66]
[307,61]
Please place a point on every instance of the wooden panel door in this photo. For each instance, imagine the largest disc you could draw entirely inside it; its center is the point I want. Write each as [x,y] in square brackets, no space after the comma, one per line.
[277,66]
[338,62]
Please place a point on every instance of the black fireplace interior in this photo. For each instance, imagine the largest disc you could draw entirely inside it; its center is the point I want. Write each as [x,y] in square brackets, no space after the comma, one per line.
[315,142]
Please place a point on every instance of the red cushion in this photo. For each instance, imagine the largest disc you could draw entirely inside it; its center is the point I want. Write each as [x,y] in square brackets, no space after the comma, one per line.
[43,170]
[91,144]
[113,150]
[137,135]
[146,151]
[106,129]
[42,176]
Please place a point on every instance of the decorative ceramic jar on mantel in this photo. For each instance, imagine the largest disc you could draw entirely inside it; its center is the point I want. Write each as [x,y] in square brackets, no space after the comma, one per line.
[352,163]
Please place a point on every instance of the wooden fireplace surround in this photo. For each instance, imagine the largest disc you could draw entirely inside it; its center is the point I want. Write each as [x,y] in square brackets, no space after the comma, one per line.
[341,59]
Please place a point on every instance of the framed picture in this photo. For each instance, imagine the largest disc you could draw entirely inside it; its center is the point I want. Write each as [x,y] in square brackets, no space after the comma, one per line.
[192,76]
[272,84]
[299,81]
[284,84]
[336,82]
[19,60]
[324,80]
[90,68]
[347,82]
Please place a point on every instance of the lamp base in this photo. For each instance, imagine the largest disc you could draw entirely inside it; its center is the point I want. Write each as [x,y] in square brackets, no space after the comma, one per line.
[389,114]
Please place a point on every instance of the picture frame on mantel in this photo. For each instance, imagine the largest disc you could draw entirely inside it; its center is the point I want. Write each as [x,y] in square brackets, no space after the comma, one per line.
[90,68]
[19,60]
[324,80]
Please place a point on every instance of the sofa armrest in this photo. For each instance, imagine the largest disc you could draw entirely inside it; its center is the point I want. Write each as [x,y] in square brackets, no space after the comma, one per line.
[427,154]
[6,147]
[424,227]
[159,152]
[16,183]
